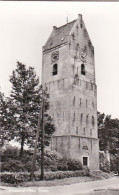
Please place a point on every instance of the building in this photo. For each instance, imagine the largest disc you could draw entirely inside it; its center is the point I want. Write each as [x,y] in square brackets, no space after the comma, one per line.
[68,71]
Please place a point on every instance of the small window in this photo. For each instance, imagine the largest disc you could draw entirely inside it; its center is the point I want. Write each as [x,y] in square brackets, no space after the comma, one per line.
[81,117]
[93,120]
[80,101]
[83,69]
[74,100]
[81,23]
[87,118]
[84,131]
[73,36]
[54,69]
[86,103]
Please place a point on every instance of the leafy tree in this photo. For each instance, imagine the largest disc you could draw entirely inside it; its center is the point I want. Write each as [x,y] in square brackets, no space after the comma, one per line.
[4,119]
[24,107]
[108,129]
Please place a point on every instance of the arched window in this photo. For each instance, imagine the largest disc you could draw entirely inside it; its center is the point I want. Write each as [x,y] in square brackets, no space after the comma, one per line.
[55,67]
[83,69]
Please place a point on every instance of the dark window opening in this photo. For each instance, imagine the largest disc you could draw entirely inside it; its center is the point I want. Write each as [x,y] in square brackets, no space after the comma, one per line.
[86,103]
[83,69]
[81,23]
[80,101]
[84,130]
[85,161]
[74,116]
[81,117]
[54,69]
[74,101]
[93,120]
[73,36]
[87,118]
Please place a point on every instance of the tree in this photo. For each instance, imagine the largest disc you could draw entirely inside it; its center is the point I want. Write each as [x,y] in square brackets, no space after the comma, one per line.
[4,119]
[108,129]
[24,107]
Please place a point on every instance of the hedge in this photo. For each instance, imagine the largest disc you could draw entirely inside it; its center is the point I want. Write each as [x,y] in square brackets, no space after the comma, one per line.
[15,178]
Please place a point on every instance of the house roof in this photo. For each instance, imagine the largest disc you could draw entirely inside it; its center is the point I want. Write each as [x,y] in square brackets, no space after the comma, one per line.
[59,35]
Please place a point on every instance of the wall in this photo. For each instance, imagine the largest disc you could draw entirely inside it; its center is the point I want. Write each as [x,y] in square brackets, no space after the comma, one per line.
[73,96]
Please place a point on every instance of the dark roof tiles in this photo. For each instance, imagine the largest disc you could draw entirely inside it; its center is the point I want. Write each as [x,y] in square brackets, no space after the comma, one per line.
[59,36]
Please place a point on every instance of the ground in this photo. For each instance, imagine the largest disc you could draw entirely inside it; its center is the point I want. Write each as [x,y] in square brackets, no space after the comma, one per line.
[107,187]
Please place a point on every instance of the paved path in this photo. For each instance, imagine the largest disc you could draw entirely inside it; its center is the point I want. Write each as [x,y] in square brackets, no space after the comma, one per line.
[73,189]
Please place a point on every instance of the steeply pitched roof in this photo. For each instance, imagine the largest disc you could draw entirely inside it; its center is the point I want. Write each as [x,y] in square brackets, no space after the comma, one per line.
[59,35]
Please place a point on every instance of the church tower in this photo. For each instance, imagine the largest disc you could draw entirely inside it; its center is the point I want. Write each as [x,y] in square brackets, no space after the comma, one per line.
[68,72]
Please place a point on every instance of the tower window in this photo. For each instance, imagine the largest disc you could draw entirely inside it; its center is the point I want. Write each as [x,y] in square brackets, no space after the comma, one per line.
[81,118]
[74,101]
[87,118]
[93,120]
[73,36]
[55,69]
[83,69]
[80,101]
[86,103]
[84,130]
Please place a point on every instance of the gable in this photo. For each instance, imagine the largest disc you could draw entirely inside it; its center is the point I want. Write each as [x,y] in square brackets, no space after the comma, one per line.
[59,36]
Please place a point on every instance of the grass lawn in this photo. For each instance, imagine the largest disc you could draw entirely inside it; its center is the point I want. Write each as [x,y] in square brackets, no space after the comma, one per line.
[59,182]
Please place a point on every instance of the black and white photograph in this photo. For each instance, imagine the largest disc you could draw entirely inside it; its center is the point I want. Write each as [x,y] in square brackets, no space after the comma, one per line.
[59,97]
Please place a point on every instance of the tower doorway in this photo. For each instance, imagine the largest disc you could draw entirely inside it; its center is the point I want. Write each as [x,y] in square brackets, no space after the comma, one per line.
[85,161]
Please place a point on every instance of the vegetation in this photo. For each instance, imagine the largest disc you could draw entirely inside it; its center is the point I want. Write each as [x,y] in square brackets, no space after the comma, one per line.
[19,112]
[23,177]
[108,133]
[12,162]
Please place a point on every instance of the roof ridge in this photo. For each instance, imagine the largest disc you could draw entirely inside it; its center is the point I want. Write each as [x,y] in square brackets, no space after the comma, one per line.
[65,24]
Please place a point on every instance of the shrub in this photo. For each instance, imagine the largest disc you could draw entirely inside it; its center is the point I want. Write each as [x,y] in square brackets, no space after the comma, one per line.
[104,163]
[114,162]
[14,178]
[74,164]
[12,166]
[65,164]
[9,152]
[64,174]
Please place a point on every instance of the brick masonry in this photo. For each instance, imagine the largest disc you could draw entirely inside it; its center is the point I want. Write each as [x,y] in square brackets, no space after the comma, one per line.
[73,95]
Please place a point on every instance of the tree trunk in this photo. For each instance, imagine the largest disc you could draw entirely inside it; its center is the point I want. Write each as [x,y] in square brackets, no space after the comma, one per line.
[22,146]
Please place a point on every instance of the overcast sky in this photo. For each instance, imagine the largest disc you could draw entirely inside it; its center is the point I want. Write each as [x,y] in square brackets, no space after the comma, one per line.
[26,26]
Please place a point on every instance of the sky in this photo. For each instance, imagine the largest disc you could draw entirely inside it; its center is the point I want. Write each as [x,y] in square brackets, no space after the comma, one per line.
[26,26]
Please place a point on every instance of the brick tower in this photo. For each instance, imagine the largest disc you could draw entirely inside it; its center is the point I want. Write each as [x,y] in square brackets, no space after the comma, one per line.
[68,71]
